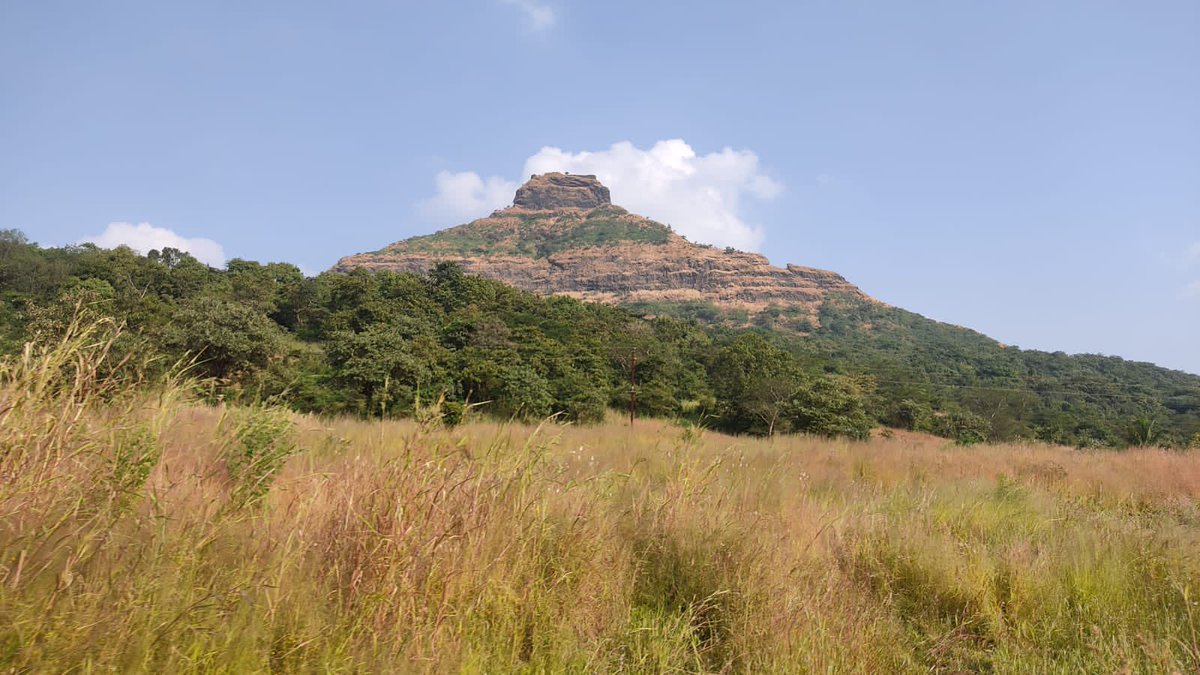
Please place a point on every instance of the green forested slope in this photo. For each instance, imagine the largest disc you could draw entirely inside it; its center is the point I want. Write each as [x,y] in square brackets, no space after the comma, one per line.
[1081,399]
[398,344]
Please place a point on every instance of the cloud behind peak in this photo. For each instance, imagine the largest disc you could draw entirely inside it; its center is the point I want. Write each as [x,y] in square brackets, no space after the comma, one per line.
[700,196]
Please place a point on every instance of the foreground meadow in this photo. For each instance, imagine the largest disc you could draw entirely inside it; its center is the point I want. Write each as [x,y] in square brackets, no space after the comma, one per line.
[143,531]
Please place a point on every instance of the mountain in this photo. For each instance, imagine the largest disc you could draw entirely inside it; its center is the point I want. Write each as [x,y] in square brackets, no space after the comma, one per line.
[771,349]
[564,236]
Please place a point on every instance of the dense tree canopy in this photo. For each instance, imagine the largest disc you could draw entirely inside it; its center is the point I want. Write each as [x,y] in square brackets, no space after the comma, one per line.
[392,344]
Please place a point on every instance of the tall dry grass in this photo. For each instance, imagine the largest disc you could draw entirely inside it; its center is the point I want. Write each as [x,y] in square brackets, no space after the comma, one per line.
[142,532]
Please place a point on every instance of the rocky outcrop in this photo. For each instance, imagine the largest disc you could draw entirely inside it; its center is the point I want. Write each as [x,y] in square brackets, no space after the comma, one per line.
[629,273]
[551,191]
[550,242]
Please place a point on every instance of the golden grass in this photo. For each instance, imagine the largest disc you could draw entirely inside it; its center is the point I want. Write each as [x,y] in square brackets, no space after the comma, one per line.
[139,532]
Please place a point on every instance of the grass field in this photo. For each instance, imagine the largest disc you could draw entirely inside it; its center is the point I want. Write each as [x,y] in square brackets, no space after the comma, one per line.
[142,531]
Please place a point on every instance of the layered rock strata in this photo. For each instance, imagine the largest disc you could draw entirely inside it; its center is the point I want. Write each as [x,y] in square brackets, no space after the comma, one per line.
[563,236]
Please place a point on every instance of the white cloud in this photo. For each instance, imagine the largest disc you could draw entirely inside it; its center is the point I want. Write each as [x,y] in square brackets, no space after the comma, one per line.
[465,195]
[144,237]
[1191,290]
[539,15]
[700,196]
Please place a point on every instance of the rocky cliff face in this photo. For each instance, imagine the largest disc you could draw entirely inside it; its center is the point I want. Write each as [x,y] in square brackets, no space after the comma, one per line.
[551,191]
[563,236]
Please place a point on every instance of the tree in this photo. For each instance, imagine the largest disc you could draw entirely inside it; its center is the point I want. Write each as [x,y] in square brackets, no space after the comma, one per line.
[387,365]
[525,394]
[228,339]
[754,382]
[830,406]
[965,427]
[580,399]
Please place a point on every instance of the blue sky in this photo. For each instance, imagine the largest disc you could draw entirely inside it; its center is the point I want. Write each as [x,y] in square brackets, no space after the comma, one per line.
[1028,169]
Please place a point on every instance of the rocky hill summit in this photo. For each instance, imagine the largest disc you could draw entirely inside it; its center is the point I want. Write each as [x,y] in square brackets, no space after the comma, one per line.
[563,235]
[551,191]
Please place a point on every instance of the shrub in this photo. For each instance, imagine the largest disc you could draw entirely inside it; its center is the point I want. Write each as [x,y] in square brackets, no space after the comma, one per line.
[259,442]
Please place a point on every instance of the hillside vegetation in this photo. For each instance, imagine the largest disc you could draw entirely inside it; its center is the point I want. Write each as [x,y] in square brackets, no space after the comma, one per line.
[142,531]
[537,234]
[388,344]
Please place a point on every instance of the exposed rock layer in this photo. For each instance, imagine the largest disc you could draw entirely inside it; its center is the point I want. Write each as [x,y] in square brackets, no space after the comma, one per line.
[551,242]
[551,191]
